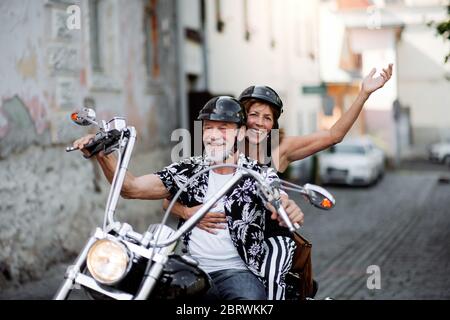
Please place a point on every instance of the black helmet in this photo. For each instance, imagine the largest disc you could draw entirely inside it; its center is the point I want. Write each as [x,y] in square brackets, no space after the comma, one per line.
[264,93]
[223,108]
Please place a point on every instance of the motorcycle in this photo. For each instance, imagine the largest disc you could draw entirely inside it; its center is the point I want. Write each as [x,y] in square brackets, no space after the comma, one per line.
[120,263]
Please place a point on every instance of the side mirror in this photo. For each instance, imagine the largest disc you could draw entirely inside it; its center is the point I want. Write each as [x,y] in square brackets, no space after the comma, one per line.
[319,197]
[84,117]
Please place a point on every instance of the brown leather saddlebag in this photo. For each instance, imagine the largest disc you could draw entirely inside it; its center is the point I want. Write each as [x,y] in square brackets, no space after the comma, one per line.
[300,278]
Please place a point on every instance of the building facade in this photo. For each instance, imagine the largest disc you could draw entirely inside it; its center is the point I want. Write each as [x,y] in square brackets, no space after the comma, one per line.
[57,56]
[233,44]
[406,115]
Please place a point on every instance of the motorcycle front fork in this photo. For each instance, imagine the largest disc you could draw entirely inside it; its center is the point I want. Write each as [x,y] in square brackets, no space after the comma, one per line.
[73,271]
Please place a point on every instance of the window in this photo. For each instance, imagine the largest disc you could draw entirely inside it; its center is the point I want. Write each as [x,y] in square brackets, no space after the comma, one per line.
[103,36]
[151,39]
[94,28]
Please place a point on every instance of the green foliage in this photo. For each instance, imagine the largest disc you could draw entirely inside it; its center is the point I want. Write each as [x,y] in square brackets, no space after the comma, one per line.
[443,30]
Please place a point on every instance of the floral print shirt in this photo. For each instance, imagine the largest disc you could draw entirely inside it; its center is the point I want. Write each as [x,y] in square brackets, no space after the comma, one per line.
[245,211]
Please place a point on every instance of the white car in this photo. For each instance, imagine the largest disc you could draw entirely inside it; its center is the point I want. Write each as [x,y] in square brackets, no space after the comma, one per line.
[440,152]
[352,162]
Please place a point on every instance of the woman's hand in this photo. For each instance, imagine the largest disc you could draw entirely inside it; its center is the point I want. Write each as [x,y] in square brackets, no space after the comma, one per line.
[210,222]
[371,84]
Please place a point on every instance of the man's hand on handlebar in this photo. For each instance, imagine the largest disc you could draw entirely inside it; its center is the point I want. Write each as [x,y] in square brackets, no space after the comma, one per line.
[82,142]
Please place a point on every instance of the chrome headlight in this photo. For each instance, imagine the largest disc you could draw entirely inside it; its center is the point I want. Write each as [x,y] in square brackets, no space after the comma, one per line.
[108,261]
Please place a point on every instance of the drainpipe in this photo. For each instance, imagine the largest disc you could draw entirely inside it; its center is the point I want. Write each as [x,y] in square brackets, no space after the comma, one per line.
[203,15]
[181,90]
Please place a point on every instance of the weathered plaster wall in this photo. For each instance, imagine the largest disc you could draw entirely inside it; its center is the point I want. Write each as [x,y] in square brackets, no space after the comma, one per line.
[50,200]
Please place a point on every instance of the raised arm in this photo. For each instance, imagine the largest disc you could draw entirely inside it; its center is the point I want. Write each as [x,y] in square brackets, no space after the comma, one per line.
[297,148]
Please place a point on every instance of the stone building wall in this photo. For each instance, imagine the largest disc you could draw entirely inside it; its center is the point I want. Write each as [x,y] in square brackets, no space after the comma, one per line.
[120,58]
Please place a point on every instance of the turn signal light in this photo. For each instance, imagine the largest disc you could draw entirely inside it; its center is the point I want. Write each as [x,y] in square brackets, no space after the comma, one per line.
[326,203]
[74,116]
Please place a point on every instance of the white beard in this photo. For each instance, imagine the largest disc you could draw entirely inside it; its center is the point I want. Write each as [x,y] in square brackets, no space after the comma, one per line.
[218,154]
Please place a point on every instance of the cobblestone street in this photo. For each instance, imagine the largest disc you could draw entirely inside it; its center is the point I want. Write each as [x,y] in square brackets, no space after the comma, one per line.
[400,225]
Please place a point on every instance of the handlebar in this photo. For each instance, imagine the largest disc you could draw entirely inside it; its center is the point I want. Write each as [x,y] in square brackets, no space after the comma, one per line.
[102,141]
[269,192]
[114,135]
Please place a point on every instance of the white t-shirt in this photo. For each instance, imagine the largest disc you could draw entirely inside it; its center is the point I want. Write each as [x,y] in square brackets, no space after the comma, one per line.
[215,251]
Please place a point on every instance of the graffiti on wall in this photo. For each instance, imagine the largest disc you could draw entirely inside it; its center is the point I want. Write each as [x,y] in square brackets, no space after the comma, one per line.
[22,124]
